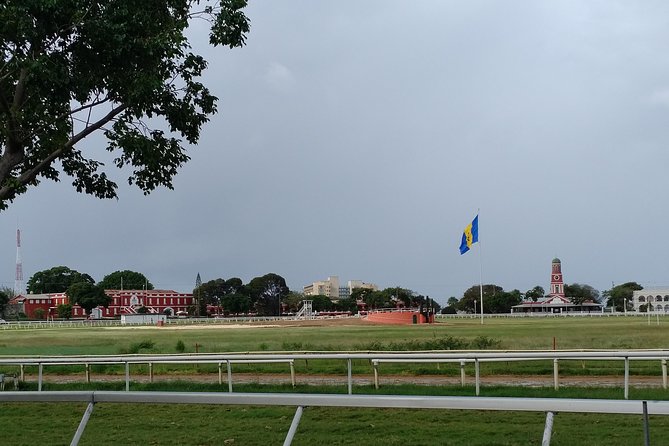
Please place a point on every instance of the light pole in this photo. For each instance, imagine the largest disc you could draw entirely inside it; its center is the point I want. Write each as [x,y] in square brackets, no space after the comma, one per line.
[625,309]
[474,307]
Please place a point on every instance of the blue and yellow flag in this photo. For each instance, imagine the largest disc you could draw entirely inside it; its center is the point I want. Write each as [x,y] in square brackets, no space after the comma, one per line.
[470,236]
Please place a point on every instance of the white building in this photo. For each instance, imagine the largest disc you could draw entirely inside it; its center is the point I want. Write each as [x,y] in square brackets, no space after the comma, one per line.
[331,288]
[655,299]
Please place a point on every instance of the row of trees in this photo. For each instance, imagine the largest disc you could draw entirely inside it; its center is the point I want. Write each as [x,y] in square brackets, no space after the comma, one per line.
[261,295]
[269,295]
[59,278]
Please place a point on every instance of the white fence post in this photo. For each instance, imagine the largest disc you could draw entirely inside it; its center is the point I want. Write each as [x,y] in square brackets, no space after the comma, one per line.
[548,430]
[127,376]
[627,377]
[556,378]
[293,427]
[478,376]
[82,424]
[229,377]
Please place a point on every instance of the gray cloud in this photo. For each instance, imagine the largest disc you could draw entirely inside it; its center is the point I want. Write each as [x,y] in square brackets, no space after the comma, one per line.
[359,138]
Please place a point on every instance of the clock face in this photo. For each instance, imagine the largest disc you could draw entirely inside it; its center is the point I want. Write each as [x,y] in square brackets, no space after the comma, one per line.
[556,277]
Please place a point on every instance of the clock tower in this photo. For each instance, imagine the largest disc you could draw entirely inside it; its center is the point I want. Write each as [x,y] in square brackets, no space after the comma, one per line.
[557,285]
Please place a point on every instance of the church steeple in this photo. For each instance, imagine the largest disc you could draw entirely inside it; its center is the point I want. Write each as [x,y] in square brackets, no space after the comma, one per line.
[557,285]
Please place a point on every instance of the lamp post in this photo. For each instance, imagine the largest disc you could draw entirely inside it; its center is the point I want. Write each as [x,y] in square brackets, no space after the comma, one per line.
[625,308]
[474,307]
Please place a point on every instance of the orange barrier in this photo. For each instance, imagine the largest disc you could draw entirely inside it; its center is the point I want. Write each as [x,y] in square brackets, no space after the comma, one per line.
[397,317]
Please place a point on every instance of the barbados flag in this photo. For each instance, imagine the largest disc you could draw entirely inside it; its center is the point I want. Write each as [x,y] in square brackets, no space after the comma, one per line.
[470,236]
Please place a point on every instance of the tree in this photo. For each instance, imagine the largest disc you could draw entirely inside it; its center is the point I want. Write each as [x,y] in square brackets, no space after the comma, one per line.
[535,293]
[449,309]
[88,296]
[4,300]
[73,68]
[321,303]
[579,293]
[236,303]
[214,292]
[39,313]
[266,293]
[125,280]
[347,304]
[293,301]
[378,299]
[64,311]
[56,280]
[502,302]
[452,301]
[474,294]
[360,294]
[403,296]
[621,294]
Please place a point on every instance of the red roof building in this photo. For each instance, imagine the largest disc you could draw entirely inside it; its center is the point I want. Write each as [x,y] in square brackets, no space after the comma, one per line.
[122,302]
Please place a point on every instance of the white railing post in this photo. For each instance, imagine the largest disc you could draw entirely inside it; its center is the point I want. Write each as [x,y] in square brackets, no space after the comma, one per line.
[127,376]
[229,376]
[293,427]
[350,377]
[556,379]
[82,424]
[462,373]
[88,373]
[627,377]
[478,376]
[292,372]
[375,365]
[548,430]
[220,373]
[646,427]
[151,372]
[39,378]
[664,373]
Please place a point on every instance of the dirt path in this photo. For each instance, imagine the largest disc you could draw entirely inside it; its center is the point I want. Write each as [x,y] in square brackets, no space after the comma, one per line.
[361,380]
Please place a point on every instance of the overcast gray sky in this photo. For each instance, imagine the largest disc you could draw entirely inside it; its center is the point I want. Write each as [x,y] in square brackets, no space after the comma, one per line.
[358,138]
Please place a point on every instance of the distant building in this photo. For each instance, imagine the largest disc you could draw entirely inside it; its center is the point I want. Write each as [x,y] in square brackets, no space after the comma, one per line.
[329,288]
[655,299]
[122,302]
[353,284]
[332,289]
[557,284]
[556,301]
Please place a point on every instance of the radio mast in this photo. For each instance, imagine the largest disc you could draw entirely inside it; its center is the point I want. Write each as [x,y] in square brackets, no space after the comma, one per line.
[18,282]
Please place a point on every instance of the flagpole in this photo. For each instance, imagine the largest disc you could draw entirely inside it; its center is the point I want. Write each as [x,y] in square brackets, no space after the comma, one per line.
[478,213]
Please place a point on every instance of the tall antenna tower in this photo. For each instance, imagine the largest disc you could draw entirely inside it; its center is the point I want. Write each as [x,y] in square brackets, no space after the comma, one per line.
[18,282]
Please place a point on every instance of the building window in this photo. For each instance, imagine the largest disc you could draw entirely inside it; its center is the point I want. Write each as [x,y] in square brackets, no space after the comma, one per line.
[642,298]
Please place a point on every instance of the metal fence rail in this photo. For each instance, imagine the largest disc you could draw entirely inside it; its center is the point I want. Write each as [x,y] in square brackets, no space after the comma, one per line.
[551,405]
[375,360]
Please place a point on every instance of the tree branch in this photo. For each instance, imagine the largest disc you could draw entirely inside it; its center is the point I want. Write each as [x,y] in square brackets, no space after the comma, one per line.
[30,175]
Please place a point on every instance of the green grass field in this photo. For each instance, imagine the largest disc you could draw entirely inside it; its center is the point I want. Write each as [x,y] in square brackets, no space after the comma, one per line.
[113,424]
[207,425]
[508,334]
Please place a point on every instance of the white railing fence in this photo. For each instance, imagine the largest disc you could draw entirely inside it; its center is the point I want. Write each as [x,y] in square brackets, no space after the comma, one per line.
[374,359]
[300,401]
